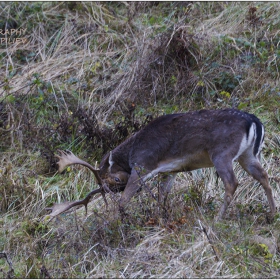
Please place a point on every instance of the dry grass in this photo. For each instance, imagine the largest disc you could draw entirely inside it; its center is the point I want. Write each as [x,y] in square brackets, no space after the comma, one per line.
[90,75]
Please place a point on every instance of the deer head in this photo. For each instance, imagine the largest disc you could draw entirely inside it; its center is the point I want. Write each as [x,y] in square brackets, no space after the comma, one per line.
[176,143]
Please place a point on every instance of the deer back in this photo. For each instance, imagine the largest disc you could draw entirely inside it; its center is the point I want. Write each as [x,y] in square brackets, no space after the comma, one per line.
[189,138]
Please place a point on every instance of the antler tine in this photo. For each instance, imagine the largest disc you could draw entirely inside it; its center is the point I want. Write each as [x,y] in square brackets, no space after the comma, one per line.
[67,158]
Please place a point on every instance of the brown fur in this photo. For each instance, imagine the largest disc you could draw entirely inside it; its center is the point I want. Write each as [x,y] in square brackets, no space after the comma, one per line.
[183,142]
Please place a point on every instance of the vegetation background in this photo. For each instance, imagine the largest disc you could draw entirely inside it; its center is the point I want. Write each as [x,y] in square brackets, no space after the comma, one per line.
[90,75]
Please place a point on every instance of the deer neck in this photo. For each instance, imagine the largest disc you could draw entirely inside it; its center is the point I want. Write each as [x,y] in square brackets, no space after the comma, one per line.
[121,154]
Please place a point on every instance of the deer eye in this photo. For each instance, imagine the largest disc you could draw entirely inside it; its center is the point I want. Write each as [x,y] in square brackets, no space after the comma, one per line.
[117,180]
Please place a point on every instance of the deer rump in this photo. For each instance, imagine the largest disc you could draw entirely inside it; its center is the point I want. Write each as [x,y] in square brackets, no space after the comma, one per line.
[175,143]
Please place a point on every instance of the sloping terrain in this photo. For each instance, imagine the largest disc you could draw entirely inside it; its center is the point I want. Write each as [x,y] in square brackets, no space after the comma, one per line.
[84,76]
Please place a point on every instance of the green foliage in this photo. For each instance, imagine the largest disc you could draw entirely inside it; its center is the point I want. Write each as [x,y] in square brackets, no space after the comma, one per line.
[193,194]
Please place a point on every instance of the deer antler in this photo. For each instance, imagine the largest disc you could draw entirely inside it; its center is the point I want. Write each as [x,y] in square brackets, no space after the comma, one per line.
[59,208]
[67,158]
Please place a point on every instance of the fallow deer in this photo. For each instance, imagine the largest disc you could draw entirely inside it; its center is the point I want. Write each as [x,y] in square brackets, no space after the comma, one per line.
[180,142]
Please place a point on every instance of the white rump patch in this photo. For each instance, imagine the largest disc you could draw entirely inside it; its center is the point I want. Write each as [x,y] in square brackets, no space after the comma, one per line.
[247,142]
[261,143]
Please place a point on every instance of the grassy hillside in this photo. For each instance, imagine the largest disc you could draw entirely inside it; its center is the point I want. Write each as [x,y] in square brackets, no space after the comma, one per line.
[84,76]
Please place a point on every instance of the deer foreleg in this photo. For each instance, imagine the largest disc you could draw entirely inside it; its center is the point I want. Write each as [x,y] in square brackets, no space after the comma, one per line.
[132,186]
[166,183]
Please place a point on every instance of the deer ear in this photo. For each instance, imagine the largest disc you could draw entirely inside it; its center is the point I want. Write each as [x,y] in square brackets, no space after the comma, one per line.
[104,163]
[111,162]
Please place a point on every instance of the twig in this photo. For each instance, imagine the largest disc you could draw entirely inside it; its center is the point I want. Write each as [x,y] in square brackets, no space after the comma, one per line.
[10,273]
[143,183]
[162,205]
[203,229]
[149,190]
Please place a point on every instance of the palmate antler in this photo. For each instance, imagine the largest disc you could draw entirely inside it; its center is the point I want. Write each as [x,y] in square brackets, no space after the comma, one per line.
[59,208]
[67,158]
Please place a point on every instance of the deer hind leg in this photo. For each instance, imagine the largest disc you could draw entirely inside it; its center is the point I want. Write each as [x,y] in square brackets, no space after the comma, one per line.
[225,171]
[254,168]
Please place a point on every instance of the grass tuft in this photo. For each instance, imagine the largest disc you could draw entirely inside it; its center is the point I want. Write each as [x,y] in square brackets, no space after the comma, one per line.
[86,76]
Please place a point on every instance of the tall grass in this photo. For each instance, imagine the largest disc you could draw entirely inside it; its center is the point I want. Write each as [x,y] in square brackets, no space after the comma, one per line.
[90,75]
